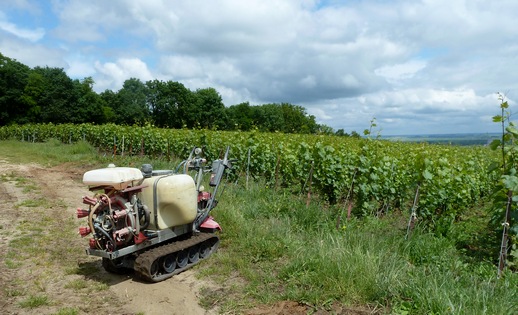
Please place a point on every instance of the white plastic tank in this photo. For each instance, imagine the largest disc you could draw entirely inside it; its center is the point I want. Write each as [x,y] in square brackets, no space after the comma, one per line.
[116,177]
[176,200]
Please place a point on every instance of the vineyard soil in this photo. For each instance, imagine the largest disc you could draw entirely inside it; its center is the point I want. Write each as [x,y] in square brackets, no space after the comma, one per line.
[124,295]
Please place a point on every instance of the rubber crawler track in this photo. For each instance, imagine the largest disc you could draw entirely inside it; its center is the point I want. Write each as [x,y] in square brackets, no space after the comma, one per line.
[145,260]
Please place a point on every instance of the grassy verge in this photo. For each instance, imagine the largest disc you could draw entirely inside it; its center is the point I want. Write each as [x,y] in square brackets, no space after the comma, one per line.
[43,259]
[43,265]
[274,248]
[49,153]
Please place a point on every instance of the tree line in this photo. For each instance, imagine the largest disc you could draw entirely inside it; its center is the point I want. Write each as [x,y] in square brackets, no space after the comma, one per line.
[49,95]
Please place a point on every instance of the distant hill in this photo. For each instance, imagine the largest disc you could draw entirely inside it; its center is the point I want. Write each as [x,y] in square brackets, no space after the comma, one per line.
[454,139]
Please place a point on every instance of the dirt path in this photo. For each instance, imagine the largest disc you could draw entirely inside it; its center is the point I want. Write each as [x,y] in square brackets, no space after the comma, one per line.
[31,192]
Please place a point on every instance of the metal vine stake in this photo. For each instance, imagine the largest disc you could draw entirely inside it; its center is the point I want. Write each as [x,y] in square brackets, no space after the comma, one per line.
[413,213]
[502,258]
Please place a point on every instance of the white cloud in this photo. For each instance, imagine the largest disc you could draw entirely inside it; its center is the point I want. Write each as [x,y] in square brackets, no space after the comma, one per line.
[346,62]
[308,81]
[411,110]
[30,54]
[32,35]
[350,81]
[181,67]
[79,67]
[319,114]
[400,72]
[111,75]
[25,5]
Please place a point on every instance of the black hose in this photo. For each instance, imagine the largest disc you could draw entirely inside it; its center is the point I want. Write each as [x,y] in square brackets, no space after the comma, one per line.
[146,217]
[99,229]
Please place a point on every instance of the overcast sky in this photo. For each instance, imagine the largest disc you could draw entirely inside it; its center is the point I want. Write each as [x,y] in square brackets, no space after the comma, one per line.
[417,66]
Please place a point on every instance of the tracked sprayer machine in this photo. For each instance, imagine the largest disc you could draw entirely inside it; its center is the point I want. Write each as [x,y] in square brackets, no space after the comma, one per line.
[155,222]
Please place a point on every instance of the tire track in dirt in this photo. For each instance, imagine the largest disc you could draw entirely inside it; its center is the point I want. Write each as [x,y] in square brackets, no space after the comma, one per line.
[62,186]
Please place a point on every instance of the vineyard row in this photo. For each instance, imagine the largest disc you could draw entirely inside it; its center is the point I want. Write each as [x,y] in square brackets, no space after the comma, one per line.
[375,175]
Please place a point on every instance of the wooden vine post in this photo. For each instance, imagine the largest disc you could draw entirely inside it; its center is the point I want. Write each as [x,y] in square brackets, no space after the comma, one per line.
[114,146]
[310,179]
[248,168]
[502,259]
[122,150]
[348,202]
[277,169]
[413,214]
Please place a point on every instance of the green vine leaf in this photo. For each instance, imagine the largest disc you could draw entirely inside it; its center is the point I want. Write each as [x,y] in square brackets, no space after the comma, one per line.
[510,182]
[427,175]
[512,130]
[495,144]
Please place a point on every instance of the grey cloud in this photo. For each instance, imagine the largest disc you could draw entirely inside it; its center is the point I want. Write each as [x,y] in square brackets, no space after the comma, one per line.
[412,64]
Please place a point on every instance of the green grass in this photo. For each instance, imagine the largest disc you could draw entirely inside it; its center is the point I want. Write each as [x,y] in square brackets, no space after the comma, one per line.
[13,292]
[33,203]
[27,184]
[77,284]
[281,250]
[48,153]
[35,301]
[81,154]
[67,311]
[100,286]
[11,264]
[274,248]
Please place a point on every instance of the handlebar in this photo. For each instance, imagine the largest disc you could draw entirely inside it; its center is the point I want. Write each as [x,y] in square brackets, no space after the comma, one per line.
[194,162]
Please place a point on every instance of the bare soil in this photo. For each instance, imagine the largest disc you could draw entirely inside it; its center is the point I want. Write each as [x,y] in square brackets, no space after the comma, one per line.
[58,192]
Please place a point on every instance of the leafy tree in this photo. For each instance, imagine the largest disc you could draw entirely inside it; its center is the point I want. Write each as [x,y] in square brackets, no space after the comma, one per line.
[109,115]
[285,117]
[89,105]
[341,133]
[111,102]
[210,109]
[241,116]
[355,134]
[132,108]
[13,78]
[270,118]
[296,120]
[57,95]
[46,94]
[171,104]
[31,94]
[325,130]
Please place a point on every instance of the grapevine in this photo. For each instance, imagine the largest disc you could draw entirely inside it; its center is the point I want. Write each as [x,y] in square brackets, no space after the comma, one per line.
[385,173]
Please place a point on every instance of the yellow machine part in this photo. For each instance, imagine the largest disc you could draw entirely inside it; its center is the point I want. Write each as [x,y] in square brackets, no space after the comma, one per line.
[176,200]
